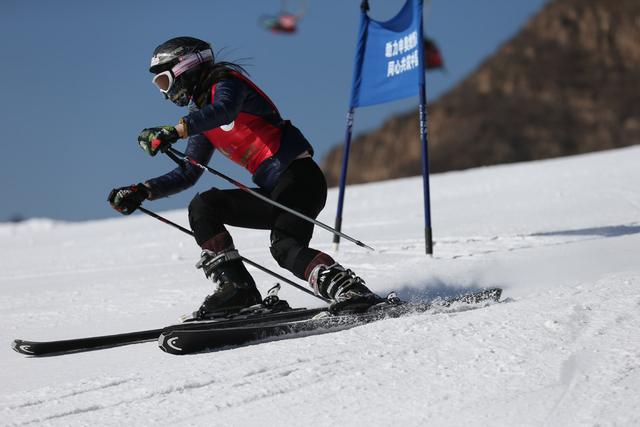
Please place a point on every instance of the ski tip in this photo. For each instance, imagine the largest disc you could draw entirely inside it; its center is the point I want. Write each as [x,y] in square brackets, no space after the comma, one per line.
[170,344]
[23,347]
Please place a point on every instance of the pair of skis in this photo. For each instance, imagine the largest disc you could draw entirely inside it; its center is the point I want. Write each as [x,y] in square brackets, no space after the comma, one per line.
[250,326]
[269,321]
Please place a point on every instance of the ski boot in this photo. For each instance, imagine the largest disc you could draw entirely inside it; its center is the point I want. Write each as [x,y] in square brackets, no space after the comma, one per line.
[235,286]
[347,291]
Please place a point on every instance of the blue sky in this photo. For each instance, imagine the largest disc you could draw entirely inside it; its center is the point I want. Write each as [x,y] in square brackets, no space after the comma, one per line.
[75,90]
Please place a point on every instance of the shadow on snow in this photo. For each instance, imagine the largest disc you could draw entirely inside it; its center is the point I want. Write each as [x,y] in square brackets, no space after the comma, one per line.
[607,231]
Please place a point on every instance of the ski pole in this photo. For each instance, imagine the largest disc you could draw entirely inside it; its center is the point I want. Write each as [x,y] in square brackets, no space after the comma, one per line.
[243,187]
[165,220]
[248,261]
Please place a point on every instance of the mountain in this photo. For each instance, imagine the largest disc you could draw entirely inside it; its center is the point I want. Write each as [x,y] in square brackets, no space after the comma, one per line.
[567,83]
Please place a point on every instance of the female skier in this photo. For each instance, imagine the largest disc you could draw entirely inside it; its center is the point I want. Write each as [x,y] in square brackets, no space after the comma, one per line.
[230,113]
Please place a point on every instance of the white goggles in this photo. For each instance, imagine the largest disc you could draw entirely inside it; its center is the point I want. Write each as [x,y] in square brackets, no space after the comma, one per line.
[165,80]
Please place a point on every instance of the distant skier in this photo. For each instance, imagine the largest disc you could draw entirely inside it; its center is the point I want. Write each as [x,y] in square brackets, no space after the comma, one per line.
[230,113]
[285,23]
[432,56]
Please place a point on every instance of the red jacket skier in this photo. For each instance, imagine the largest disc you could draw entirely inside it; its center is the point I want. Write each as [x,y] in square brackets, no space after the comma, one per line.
[230,113]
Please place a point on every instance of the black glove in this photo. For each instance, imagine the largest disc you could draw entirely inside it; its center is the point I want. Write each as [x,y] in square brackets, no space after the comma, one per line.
[127,199]
[152,140]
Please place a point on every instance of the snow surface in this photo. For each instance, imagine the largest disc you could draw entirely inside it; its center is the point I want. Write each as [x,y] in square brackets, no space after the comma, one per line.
[561,237]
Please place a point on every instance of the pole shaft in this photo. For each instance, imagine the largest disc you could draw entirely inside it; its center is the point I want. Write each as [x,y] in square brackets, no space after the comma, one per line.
[266,199]
[343,176]
[425,172]
[165,220]
[424,140]
[248,261]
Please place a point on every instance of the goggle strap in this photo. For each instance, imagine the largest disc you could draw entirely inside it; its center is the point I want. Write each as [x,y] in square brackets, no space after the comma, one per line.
[190,61]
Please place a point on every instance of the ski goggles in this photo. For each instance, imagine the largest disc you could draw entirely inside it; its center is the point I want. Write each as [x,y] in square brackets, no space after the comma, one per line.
[165,80]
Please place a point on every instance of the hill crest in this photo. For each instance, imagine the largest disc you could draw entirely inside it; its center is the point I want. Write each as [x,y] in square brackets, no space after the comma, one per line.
[566,84]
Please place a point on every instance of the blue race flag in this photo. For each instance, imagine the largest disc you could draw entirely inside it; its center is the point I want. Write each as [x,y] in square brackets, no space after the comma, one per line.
[389,57]
[389,65]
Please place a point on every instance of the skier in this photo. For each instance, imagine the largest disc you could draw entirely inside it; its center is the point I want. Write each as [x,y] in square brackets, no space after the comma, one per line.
[432,55]
[228,112]
[285,22]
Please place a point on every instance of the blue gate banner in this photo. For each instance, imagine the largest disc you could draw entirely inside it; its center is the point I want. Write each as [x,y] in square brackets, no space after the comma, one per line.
[389,57]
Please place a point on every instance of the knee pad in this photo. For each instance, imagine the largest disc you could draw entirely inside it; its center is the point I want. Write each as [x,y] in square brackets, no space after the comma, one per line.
[284,250]
[203,219]
[202,205]
[196,208]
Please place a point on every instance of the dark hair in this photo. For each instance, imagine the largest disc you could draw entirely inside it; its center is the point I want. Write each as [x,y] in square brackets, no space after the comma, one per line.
[211,75]
[224,69]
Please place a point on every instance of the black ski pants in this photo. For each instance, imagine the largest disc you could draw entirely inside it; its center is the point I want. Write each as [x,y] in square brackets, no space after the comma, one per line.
[301,187]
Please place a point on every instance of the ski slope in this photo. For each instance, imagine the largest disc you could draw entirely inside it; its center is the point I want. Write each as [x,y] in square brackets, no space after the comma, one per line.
[562,237]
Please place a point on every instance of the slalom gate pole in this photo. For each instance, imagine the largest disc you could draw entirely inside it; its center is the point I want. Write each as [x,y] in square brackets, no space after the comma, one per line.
[343,177]
[248,261]
[428,233]
[183,157]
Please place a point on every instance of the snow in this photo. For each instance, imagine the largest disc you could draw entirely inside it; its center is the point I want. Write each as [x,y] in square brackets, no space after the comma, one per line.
[560,236]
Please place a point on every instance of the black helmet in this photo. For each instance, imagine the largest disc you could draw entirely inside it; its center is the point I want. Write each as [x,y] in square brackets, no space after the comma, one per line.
[178,65]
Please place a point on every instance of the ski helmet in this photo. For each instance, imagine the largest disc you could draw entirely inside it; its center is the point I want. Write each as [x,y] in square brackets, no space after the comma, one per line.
[178,64]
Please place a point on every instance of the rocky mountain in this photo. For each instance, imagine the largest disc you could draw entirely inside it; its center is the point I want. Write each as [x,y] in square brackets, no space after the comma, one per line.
[567,83]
